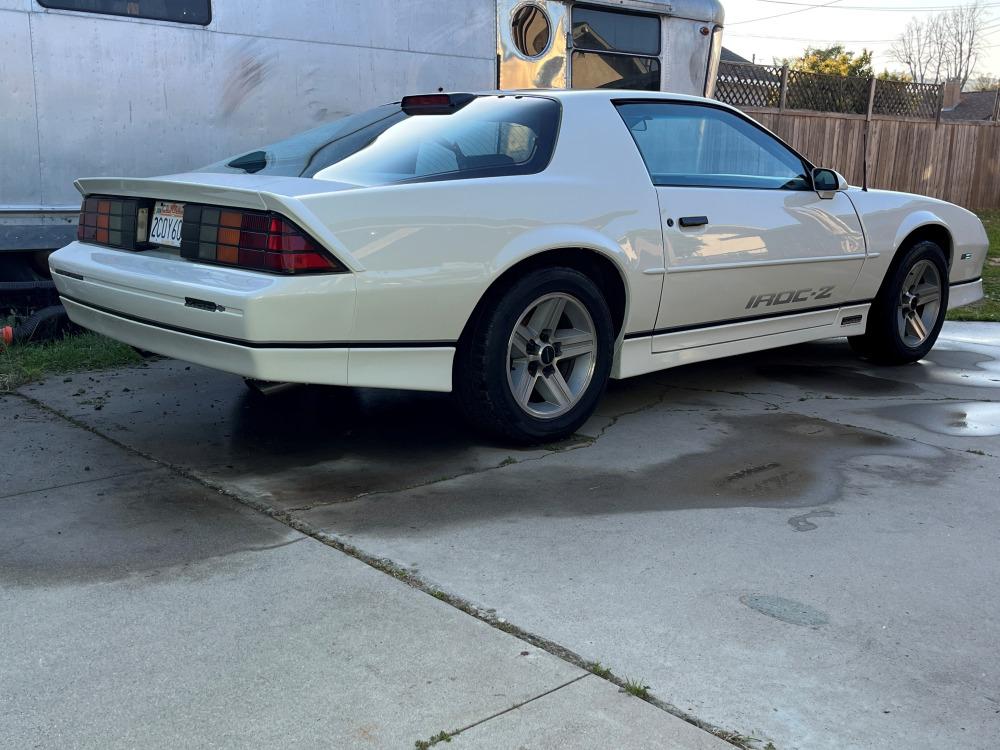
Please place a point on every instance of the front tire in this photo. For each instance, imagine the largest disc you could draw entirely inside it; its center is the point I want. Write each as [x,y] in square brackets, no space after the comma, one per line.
[537,357]
[906,317]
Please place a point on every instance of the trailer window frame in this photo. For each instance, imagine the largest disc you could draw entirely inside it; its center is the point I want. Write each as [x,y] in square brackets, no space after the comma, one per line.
[649,56]
[74,7]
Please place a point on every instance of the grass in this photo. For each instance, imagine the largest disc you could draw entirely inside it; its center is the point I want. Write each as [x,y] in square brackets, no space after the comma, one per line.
[636,688]
[599,669]
[26,363]
[439,737]
[989,308]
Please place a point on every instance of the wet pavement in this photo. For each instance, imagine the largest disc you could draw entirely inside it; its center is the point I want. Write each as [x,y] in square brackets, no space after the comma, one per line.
[794,545]
[141,609]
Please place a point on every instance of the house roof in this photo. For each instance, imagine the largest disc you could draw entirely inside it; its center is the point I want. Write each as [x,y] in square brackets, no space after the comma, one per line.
[729,56]
[975,105]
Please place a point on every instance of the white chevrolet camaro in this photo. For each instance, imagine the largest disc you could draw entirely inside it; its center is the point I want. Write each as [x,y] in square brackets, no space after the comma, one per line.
[516,248]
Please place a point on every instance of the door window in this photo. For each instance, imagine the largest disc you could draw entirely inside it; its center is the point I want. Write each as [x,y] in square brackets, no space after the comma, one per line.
[697,146]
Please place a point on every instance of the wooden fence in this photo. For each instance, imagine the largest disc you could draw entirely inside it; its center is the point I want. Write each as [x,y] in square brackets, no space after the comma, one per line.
[956,161]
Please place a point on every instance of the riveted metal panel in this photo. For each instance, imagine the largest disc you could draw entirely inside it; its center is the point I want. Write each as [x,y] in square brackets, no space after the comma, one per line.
[20,182]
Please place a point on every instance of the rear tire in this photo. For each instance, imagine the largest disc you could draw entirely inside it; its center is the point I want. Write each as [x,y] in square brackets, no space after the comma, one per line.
[536,359]
[906,317]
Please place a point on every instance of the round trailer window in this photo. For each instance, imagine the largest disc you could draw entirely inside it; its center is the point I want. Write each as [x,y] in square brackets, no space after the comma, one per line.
[530,30]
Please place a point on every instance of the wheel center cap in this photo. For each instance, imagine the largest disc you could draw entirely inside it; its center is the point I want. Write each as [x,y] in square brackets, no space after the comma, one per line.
[547,355]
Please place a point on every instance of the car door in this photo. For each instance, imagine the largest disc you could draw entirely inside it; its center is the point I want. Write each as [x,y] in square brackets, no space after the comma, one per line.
[746,238]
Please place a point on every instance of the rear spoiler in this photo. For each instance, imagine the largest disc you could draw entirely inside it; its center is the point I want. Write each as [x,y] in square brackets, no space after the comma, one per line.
[216,189]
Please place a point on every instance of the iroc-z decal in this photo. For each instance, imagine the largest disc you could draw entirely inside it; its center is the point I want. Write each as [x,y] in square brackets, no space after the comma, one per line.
[790,296]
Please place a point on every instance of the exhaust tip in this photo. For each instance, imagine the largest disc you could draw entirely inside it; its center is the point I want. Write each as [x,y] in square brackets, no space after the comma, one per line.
[269,387]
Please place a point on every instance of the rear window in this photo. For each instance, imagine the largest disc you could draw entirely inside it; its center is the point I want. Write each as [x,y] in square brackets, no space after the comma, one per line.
[491,136]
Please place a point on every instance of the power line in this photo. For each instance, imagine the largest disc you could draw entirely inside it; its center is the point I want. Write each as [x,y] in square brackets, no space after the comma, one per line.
[788,13]
[878,8]
[810,39]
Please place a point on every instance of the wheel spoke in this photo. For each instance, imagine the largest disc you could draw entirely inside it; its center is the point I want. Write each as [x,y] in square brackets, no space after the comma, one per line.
[525,387]
[519,341]
[574,343]
[556,389]
[546,316]
[927,293]
[913,277]
[917,324]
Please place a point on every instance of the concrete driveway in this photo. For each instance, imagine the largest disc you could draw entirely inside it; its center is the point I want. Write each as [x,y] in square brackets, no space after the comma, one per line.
[794,546]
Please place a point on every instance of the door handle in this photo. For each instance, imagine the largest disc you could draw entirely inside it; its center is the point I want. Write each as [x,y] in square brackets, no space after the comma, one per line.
[687,222]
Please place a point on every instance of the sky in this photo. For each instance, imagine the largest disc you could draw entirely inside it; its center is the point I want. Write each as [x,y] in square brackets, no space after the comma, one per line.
[871,24]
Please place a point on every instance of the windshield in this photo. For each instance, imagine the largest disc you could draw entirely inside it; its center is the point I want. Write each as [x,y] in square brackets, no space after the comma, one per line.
[490,136]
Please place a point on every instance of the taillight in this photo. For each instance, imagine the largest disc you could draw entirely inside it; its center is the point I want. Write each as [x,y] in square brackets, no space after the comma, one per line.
[251,239]
[109,221]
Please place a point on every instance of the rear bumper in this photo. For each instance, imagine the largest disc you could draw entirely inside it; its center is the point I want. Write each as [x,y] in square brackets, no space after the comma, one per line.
[295,329]
[419,368]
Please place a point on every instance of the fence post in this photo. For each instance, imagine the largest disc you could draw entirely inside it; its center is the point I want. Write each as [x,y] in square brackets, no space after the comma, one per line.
[996,107]
[940,106]
[868,130]
[783,99]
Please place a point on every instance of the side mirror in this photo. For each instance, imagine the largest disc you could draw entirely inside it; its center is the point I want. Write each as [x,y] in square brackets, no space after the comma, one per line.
[826,182]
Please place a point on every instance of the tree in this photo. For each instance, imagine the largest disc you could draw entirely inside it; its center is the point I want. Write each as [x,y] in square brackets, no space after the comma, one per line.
[943,47]
[894,75]
[984,83]
[920,49]
[835,60]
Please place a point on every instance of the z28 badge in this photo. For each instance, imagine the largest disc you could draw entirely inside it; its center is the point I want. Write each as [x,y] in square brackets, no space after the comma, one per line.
[786,298]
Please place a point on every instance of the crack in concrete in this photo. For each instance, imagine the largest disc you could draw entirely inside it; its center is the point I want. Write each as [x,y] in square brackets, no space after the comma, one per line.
[447,736]
[892,435]
[791,406]
[584,441]
[77,483]
[401,574]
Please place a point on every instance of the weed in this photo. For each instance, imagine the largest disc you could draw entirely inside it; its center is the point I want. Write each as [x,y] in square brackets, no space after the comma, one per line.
[441,736]
[636,688]
[599,669]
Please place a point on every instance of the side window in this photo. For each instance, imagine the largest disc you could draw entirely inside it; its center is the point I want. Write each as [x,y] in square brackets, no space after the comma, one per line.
[182,11]
[485,145]
[613,49]
[698,146]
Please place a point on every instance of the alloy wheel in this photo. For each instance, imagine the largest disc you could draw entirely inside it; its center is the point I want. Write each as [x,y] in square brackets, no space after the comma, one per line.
[919,303]
[551,355]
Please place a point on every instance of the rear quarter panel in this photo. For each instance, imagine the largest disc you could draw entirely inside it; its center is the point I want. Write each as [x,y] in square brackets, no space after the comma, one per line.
[429,251]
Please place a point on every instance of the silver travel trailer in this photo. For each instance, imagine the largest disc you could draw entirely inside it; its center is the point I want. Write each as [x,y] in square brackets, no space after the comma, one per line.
[145,87]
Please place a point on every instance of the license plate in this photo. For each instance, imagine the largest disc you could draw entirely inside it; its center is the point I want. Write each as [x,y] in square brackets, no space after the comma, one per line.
[165,228]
